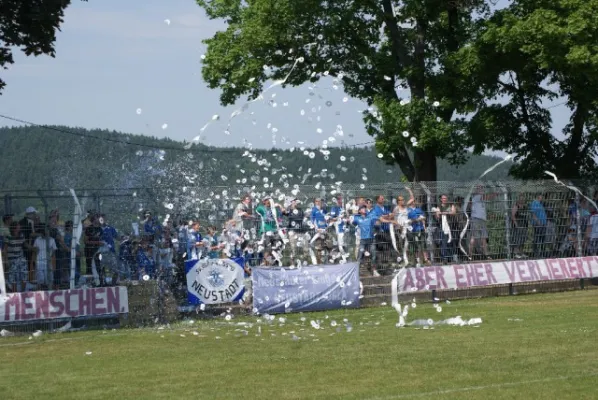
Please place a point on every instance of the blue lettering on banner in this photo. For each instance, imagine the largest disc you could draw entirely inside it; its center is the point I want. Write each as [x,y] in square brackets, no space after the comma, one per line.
[215,281]
[311,288]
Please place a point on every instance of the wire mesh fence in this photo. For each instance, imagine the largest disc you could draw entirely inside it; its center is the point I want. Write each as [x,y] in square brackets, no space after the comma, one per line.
[134,233]
[500,221]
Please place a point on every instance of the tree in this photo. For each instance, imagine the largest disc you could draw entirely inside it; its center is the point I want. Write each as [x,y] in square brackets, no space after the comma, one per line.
[30,25]
[375,48]
[530,56]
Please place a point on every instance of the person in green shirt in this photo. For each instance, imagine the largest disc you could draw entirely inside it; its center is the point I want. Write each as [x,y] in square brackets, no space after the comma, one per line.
[267,220]
[267,223]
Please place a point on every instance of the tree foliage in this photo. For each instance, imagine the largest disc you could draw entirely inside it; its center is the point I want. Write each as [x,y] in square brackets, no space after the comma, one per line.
[29,25]
[530,56]
[383,51]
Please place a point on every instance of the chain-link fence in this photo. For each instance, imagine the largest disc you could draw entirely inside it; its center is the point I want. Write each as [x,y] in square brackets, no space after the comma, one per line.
[422,223]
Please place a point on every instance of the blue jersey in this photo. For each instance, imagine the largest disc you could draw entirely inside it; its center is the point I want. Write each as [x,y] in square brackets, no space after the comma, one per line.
[414,213]
[318,218]
[365,225]
[109,234]
[377,212]
[337,212]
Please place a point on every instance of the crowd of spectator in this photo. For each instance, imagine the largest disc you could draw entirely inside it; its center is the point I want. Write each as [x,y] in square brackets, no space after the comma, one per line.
[403,232]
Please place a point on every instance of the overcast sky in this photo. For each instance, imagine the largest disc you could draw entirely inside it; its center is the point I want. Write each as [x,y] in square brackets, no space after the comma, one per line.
[114,57]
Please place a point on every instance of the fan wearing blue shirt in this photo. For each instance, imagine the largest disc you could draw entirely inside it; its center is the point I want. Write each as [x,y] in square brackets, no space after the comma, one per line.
[365,224]
[416,232]
[320,222]
[539,221]
[336,216]
[382,238]
[194,242]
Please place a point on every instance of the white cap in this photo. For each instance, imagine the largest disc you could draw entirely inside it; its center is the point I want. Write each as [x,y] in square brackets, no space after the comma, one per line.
[30,210]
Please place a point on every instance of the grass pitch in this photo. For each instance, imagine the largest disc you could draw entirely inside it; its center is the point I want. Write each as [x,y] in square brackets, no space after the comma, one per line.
[529,347]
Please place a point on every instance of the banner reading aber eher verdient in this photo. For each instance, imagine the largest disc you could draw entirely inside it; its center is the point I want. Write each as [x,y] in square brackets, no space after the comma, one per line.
[310,288]
[495,273]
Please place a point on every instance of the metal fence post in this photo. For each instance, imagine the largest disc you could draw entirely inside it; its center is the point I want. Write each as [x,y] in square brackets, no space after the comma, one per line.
[7,204]
[505,192]
[49,272]
[430,230]
[579,249]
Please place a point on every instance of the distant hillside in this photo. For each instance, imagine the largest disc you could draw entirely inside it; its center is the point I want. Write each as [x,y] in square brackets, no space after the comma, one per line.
[43,158]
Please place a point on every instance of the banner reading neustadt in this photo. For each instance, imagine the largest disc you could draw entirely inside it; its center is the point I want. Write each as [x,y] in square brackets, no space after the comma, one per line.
[495,273]
[54,304]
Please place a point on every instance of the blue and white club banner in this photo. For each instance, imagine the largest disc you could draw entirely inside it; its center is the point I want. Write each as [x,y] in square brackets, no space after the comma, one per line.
[312,288]
[215,281]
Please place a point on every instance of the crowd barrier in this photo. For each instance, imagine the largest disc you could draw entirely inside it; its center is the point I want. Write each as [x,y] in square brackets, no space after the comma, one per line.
[279,290]
[508,254]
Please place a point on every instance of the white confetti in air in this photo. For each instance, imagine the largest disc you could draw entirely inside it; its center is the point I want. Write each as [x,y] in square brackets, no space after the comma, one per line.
[405,134]
[575,189]
[167,21]
[146,277]
[164,126]
[436,104]
[245,106]
[139,111]
[464,231]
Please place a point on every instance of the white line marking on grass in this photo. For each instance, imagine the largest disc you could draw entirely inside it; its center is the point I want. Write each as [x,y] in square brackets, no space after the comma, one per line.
[484,387]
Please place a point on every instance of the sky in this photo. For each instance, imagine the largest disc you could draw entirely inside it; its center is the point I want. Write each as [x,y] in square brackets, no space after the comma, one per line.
[114,57]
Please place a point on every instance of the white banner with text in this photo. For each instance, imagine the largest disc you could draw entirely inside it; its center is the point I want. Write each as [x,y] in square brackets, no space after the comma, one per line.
[495,273]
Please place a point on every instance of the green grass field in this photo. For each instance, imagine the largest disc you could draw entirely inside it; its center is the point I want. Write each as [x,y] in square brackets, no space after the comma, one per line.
[528,347]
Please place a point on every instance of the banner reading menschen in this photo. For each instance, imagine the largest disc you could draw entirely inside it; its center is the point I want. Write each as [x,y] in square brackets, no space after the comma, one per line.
[311,288]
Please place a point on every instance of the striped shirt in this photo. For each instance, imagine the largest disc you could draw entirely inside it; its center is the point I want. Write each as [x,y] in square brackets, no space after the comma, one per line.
[14,247]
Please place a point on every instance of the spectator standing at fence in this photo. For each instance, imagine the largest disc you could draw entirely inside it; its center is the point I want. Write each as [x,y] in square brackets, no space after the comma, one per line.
[243,215]
[401,220]
[45,258]
[295,227]
[382,236]
[337,217]
[319,220]
[444,214]
[29,225]
[13,252]
[519,226]
[213,243]
[92,239]
[591,235]
[457,225]
[479,227]
[417,234]
[195,243]
[360,201]
[539,221]
[126,258]
[145,259]
[267,222]
[365,225]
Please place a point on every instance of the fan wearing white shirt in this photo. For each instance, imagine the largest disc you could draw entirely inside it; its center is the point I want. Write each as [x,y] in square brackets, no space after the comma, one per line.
[45,258]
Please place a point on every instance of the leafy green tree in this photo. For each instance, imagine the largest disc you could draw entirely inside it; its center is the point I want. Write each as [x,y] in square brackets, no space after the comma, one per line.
[533,55]
[30,25]
[383,51]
